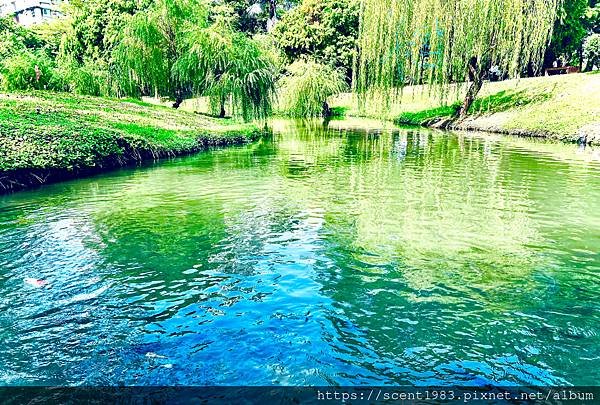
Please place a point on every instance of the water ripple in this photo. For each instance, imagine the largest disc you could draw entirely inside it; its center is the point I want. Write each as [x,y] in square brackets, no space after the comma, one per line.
[320,256]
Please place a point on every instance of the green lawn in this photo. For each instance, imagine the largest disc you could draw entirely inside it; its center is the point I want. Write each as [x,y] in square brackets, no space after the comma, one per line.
[45,130]
[560,107]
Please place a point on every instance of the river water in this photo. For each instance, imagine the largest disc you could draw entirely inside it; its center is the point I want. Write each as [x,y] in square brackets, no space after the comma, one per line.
[348,254]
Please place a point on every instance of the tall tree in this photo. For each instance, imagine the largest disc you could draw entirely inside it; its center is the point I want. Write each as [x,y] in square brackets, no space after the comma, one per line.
[230,68]
[438,42]
[152,43]
[568,34]
[97,24]
[326,30]
[172,49]
[307,86]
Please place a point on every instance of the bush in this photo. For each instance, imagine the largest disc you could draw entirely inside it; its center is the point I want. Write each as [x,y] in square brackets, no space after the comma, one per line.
[591,51]
[307,86]
[28,70]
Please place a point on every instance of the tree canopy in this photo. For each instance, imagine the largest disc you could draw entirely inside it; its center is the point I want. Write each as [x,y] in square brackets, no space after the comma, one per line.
[181,48]
[591,51]
[324,29]
[439,42]
[152,43]
[97,24]
[569,31]
[176,48]
[307,86]
[229,67]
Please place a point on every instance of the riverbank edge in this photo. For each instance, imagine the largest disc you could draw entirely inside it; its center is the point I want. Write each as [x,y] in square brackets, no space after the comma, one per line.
[563,108]
[30,178]
[589,135]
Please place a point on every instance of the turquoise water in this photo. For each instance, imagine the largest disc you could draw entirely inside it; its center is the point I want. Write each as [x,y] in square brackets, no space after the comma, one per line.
[335,255]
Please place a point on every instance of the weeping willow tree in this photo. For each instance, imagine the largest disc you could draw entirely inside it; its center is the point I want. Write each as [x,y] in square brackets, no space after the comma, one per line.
[152,43]
[439,42]
[229,68]
[307,86]
[173,50]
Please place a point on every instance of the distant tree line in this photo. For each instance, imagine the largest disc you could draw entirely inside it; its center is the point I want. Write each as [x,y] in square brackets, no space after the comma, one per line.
[246,56]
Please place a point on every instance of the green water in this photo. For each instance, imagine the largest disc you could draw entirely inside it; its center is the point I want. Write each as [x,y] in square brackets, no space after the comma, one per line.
[335,255]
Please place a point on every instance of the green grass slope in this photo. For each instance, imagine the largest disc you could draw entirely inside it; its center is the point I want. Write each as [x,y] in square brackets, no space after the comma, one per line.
[565,107]
[45,133]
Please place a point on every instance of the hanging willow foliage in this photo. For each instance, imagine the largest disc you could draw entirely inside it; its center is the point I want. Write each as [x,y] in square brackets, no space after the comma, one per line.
[307,86]
[151,44]
[439,42]
[173,49]
[230,68]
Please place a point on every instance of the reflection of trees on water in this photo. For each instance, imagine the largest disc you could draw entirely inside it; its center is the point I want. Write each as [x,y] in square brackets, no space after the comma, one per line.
[400,249]
[430,228]
[414,192]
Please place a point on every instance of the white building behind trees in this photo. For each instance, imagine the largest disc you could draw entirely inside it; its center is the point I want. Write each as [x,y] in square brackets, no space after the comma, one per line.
[29,12]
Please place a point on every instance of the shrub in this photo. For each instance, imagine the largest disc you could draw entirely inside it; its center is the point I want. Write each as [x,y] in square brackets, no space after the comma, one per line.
[90,78]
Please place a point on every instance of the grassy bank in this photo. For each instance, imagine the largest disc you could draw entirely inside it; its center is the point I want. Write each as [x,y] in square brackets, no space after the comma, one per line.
[565,108]
[47,136]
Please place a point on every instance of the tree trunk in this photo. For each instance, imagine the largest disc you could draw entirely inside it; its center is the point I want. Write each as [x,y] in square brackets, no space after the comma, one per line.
[272,8]
[476,82]
[530,70]
[222,112]
[326,110]
[178,101]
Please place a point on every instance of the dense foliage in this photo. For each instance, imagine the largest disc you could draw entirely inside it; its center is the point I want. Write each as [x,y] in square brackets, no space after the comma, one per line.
[229,67]
[592,17]
[96,25]
[24,60]
[591,51]
[235,52]
[166,48]
[152,43]
[28,71]
[257,16]
[15,38]
[307,86]
[568,33]
[576,20]
[438,42]
[324,29]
